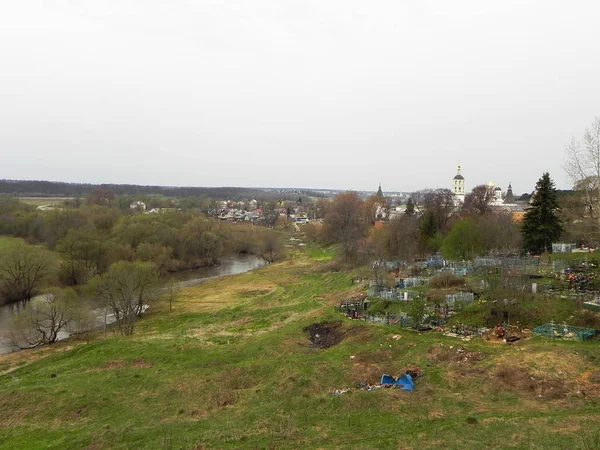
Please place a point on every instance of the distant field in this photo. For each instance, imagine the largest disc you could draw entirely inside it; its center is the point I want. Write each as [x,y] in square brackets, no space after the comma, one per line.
[38,201]
[6,242]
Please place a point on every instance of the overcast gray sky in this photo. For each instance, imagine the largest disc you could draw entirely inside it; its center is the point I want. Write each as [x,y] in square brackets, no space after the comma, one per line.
[312,93]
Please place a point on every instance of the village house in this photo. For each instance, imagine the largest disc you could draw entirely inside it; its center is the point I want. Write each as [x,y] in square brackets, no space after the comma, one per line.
[139,205]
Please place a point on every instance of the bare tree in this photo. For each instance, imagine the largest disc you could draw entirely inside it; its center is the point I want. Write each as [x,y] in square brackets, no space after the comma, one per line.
[22,270]
[271,245]
[345,223]
[501,234]
[477,202]
[41,321]
[172,292]
[583,167]
[440,204]
[101,196]
[403,237]
[577,213]
[417,201]
[85,320]
[125,290]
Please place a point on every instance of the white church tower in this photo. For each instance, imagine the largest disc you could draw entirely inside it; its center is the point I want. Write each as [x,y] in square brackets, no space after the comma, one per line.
[458,187]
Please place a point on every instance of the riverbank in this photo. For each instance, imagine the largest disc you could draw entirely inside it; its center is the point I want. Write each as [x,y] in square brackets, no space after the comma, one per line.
[232,366]
[230,266]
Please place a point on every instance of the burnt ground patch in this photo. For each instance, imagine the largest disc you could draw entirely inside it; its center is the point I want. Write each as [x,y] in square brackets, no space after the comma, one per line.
[324,334]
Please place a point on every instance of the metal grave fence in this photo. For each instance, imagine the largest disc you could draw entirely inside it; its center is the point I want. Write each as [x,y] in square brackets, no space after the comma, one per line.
[563,330]
[460,298]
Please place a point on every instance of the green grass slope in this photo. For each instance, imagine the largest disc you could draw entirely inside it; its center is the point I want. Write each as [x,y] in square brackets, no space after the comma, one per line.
[232,367]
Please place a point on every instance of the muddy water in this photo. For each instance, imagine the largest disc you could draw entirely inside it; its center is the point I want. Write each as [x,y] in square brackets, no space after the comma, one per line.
[232,266]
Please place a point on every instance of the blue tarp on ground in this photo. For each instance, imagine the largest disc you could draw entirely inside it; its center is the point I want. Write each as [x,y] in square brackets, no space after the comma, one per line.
[405,381]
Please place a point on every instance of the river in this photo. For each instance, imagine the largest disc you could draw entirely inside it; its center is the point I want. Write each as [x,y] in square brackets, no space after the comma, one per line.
[231,266]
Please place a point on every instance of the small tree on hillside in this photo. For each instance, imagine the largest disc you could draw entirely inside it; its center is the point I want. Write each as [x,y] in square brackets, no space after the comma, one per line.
[416,311]
[463,242]
[173,289]
[541,223]
[125,289]
[271,245]
[41,321]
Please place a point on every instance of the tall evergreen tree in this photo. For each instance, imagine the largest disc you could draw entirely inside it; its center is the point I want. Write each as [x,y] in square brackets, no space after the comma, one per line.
[541,224]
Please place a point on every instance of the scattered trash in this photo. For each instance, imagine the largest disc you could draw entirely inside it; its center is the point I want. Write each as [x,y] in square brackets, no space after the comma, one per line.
[458,336]
[404,382]
[500,331]
[460,355]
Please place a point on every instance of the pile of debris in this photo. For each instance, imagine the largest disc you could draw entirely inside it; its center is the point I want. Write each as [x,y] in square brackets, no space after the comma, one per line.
[405,382]
[506,333]
[454,355]
[465,357]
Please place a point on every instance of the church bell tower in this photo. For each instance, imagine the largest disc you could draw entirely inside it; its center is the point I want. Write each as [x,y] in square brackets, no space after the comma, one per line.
[458,187]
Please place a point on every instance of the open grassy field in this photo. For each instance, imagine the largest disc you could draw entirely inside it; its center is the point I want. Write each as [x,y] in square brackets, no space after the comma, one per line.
[39,201]
[7,242]
[232,367]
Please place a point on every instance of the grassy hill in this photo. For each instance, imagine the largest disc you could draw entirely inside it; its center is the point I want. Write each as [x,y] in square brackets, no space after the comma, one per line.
[233,367]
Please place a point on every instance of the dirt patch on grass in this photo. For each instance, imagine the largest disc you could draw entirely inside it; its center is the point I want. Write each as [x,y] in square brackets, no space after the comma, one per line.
[594,377]
[141,364]
[373,356]
[359,334]
[454,355]
[473,372]
[518,378]
[325,334]
[366,373]
[220,397]
[235,378]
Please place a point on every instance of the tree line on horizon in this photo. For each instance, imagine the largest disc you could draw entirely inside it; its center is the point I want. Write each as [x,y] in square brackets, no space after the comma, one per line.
[41,188]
